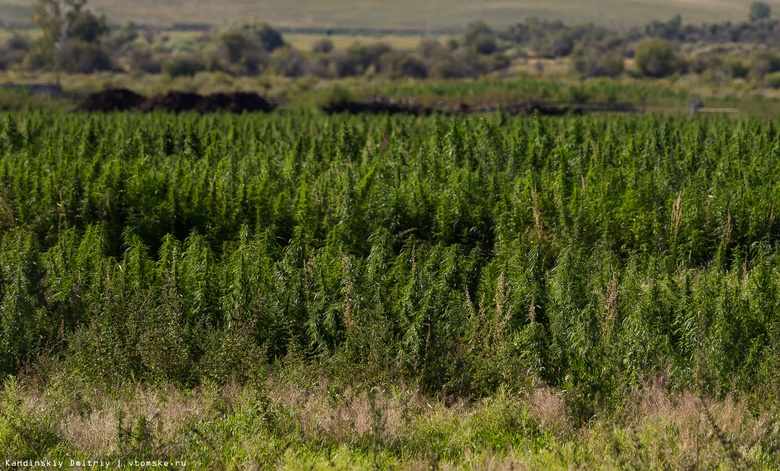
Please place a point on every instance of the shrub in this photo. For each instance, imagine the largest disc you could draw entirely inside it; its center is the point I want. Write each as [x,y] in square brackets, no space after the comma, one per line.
[759,11]
[485,45]
[239,51]
[320,65]
[142,59]
[122,37]
[323,46]
[762,63]
[359,58]
[236,43]
[344,64]
[656,58]
[183,65]
[14,50]
[451,67]
[288,62]
[772,80]
[431,48]
[403,64]
[594,64]
[476,32]
[86,58]
[558,45]
[270,38]
[734,67]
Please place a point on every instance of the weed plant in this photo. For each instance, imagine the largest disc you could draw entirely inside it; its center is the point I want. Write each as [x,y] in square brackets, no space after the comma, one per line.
[475,260]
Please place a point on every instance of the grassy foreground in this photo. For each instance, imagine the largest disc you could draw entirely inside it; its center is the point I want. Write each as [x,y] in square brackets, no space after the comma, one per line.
[295,421]
[302,291]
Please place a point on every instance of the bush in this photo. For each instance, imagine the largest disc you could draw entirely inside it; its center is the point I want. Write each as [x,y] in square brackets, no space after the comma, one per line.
[344,64]
[270,38]
[143,60]
[238,51]
[359,58]
[86,58]
[184,65]
[288,62]
[772,80]
[452,67]
[594,64]
[235,44]
[558,45]
[323,46]
[759,11]
[13,51]
[477,31]
[403,64]
[656,58]
[485,45]
[762,63]
[122,37]
[320,65]
[735,67]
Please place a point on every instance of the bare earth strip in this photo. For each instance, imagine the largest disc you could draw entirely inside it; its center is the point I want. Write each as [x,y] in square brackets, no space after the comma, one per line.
[416,14]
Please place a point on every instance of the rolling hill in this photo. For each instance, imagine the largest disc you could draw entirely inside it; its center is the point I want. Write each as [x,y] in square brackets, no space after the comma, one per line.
[413,14]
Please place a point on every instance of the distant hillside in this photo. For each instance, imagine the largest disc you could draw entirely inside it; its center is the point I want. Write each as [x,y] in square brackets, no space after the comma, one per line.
[417,14]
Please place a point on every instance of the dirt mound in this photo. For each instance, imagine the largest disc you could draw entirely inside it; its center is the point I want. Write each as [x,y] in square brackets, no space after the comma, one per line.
[175,102]
[111,100]
[378,105]
[384,105]
[237,102]
[531,106]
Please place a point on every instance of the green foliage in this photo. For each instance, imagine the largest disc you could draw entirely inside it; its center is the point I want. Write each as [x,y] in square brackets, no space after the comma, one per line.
[183,65]
[70,36]
[23,433]
[401,64]
[322,46]
[14,50]
[772,80]
[288,62]
[469,260]
[593,64]
[656,58]
[68,19]
[462,255]
[759,11]
[480,37]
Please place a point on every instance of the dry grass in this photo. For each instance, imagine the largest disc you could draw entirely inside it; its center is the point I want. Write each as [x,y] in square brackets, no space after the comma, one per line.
[348,416]
[656,429]
[548,407]
[89,424]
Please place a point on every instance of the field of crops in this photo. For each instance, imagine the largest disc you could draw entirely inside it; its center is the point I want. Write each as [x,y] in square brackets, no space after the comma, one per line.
[391,291]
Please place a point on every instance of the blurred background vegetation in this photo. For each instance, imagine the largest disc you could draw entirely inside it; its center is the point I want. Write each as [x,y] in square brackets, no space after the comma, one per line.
[87,51]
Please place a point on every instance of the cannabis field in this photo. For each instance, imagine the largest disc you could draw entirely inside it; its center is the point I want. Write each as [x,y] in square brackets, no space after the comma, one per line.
[307,291]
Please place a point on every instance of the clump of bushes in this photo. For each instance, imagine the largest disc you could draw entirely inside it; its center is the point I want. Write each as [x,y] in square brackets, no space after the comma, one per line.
[600,64]
[13,51]
[656,58]
[183,65]
[772,80]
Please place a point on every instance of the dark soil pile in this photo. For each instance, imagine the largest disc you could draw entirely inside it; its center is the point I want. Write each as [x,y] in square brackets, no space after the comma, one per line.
[173,101]
[530,107]
[112,100]
[378,105]
[176,102]
[238,102]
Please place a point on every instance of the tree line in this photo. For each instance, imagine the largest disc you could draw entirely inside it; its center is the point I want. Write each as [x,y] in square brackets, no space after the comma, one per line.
[76,40]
